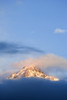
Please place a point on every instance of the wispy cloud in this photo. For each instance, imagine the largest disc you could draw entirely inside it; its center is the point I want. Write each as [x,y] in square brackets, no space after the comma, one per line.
[19,2]
[48,60]
[59,31]
[50,63]
[11,48]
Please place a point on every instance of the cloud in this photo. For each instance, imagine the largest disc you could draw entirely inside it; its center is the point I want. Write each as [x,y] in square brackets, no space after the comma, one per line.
[51,64]
[19,2]
[58,30]
[11,48]
[48,60]
[4,74]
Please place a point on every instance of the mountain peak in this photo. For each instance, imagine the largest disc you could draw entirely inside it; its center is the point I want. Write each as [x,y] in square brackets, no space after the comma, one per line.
[31,71]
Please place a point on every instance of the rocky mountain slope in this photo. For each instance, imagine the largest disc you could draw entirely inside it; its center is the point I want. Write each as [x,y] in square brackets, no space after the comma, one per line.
[31,71]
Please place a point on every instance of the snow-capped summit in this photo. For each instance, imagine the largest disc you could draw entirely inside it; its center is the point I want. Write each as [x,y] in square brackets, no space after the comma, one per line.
[31,71]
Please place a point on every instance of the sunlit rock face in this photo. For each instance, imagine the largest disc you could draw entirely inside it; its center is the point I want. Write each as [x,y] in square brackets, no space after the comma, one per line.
[31,72]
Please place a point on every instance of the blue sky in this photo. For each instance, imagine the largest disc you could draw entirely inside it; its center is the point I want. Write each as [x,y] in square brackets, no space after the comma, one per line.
[38,25]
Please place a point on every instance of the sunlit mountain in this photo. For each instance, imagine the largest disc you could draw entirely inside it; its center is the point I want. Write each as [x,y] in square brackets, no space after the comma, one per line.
[31,71]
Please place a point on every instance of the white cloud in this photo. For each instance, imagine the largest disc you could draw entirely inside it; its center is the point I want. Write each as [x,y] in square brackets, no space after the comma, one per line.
[58,30]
